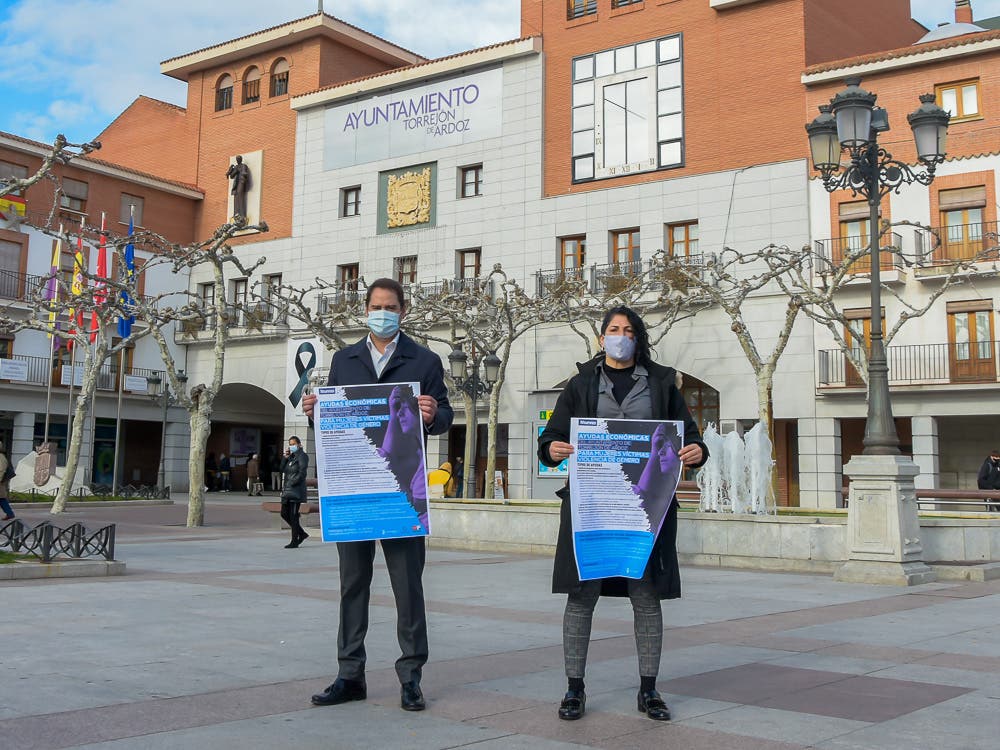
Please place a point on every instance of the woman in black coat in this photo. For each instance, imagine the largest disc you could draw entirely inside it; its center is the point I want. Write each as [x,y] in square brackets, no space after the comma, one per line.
[294,492]
[621,383]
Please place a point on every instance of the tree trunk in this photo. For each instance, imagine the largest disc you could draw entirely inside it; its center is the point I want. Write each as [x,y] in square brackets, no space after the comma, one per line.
[201,426]
[91,366]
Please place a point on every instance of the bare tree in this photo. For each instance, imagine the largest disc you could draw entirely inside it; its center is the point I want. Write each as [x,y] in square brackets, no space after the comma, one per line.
[80,314]
[819,283]
[217,315]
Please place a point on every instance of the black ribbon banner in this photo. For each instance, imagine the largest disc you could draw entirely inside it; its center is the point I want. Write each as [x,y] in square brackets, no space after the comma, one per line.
[302,371]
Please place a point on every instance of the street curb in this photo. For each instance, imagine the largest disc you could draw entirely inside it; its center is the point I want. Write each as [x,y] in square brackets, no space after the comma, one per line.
[95,504]
[27,570]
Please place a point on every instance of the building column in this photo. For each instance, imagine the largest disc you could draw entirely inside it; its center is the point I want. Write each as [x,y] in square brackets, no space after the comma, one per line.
[23,439]
[177,449]
[521,449]
[925,452]
[820,469]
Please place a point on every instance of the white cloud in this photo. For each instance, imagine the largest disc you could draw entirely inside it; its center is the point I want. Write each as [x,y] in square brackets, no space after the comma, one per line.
[103,53]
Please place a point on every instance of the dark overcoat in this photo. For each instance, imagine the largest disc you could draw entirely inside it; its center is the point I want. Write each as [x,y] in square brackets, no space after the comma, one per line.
[409,363]
[295,468]
[579,399]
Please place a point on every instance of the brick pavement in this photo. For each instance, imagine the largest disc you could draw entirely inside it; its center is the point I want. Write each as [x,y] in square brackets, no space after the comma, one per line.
[217,637]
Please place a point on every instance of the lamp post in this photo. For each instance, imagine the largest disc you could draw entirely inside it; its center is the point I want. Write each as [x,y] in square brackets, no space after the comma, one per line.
[851,123]
[166,397]
[883,528]
[468,381]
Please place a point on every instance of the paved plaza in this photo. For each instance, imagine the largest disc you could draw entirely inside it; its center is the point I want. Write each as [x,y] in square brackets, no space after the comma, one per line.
[216,638]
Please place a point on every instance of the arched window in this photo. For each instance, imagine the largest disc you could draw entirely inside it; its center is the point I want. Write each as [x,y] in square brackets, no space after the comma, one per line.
[279,77]
[251,86]
[224,93]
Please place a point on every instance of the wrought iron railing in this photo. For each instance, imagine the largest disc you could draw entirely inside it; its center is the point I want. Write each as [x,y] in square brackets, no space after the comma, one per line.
[974,362]
[943,245]
[613,277]
[48,541]
[548,283]
[20,286]
[341,296]
[40,369]
[832,252]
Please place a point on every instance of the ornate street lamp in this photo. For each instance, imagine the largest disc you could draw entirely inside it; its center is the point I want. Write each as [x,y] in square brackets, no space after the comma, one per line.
[469,382]
[883,528]
[851,123]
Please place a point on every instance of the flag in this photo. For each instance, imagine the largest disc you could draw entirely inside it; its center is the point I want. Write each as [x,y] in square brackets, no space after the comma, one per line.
[100,286]
[77,286]
[128,278]
[52,287]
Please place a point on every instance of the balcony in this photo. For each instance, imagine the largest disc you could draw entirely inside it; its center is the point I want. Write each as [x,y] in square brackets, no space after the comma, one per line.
[613,278]
[918,364]
[562,281]
[831,253]
[254,320]
[25,370]
[21,287]
[345,295]
[444,287]
[962,242]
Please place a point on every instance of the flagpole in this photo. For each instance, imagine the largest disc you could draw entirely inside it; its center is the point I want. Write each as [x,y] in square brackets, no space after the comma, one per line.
[118,420]
[94,332]
[51,293]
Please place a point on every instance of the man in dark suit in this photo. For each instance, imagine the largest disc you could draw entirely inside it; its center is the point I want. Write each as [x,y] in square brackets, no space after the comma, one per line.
[386,355]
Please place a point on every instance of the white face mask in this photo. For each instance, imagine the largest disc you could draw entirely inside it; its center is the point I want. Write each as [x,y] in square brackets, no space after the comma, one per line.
[619,348]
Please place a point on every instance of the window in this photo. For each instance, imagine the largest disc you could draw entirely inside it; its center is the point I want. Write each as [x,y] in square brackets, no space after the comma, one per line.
[572,252]
[625,246]
[472,181]
[6,347]
[853,234]
[682,239]
[858,335]
[251,86]
[279,78]
[627,110]
[224,93]
[128,356]
[468,263]
[347,276]
[406,269]
[74,195]
[580,8]
[206,297]
[970,337]
[9,171]
[270,284]
[10,262]
[350,201]
[623,3]
[131,206]
[960,100]
[961,233]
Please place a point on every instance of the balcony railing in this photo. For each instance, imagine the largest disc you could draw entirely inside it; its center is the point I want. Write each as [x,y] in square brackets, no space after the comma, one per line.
[20,286]
[910,364]
[343,296]
[957,243]
[833,251]
[614,277]
[448,286]
[560,281]
[37,370]
[580,8]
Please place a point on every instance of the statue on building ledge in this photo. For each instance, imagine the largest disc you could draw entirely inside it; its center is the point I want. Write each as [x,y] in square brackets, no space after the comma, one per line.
[239,173]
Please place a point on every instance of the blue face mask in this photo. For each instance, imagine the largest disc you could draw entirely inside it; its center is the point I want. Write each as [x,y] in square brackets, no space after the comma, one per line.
[619,348]
[293,448]
[383,323]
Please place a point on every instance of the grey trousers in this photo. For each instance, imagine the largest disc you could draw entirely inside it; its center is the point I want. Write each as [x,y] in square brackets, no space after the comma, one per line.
[405,561]
[648,623]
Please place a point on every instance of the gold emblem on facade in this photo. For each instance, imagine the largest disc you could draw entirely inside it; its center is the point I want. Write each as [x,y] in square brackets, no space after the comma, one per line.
[408,199]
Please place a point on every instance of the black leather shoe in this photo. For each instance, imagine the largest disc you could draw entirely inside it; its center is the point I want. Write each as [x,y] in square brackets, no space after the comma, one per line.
[573,705]
[293,544]
[341,691]
[410,697]
[651,703]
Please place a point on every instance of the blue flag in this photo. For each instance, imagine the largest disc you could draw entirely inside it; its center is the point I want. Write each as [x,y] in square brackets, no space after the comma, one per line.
[125,324]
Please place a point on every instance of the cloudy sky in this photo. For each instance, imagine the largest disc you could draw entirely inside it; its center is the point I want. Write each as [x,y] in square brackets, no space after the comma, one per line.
[73,65]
